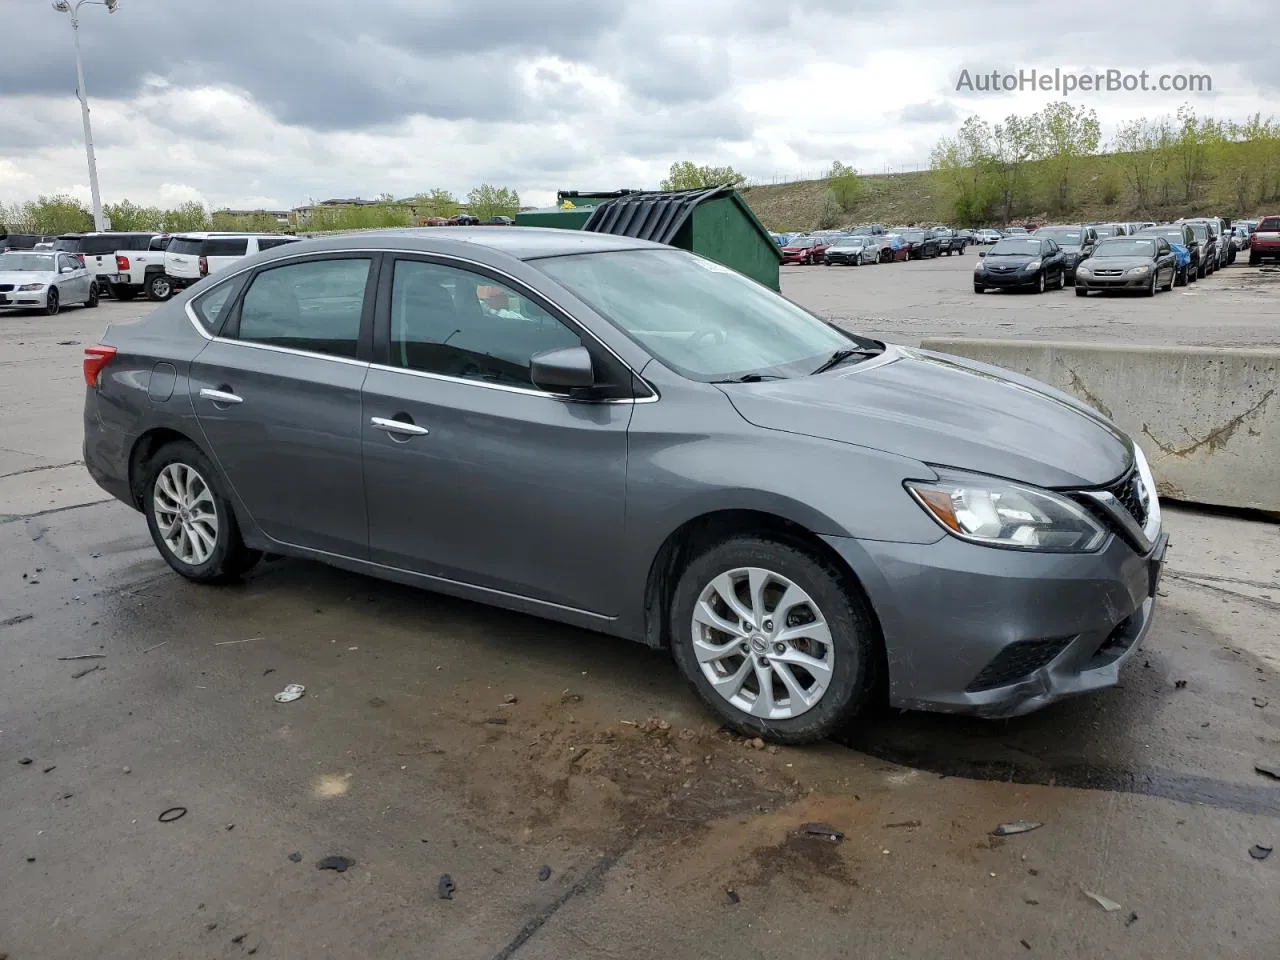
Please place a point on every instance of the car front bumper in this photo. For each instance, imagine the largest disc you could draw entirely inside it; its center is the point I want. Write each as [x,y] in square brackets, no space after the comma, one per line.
[1000,633]
[1113,283]
[1019,278]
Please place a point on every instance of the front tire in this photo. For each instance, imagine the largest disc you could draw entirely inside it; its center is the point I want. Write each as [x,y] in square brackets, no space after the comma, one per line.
[1150,290]
[1040,284]
[191,521]
[772,640]
[51,304]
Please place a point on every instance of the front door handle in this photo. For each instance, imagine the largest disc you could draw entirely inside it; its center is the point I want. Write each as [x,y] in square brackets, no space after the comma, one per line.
[403,428]
[220,396]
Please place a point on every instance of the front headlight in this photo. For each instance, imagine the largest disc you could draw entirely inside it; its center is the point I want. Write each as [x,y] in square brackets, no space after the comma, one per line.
[979,266]
[1033,265]
[998,513]
[30,286]
[1139,271]
[1083,271]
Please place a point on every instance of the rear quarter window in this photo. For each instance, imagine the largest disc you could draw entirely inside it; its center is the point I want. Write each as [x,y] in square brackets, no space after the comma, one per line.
[184,245]
[266,243]
[97,246]
[226,246]
[211,308]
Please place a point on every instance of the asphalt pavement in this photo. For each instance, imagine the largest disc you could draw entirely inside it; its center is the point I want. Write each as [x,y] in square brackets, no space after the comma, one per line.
[441,737]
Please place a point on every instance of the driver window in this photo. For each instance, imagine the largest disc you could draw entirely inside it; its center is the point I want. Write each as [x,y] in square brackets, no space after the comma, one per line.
[456,323]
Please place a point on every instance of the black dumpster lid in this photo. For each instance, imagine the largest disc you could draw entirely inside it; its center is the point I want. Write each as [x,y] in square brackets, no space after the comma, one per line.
[656,216]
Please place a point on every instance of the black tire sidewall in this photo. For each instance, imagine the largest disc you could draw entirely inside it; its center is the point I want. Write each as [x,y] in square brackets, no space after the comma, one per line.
[224,562]
[52,302]
[852,630]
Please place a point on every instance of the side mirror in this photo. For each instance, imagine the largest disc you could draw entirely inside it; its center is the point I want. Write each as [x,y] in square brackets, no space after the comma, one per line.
[64,269]
[982,253]
[569,368]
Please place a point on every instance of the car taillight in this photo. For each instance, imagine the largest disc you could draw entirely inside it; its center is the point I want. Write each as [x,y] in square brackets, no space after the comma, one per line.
[204,266]
[95,359]
[122,263]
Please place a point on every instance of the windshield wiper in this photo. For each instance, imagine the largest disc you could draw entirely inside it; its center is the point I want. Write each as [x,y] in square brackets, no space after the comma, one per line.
[839,357]
[751,378]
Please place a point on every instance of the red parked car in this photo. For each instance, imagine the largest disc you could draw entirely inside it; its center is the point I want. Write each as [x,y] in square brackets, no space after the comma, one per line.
[804,250]
[1265,242]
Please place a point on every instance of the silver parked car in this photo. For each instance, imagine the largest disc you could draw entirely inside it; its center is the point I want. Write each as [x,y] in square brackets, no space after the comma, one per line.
[48,281]
[633,439]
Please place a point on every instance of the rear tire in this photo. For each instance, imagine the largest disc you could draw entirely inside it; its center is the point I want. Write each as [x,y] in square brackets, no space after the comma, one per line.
[121,292]
[158,287]
[93,296]
[177,506]
[842,646]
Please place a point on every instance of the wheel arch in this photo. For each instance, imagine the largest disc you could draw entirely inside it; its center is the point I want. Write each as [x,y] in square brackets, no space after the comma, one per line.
[147,446]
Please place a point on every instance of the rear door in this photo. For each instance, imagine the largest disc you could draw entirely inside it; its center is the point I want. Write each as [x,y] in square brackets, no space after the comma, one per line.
[472,473]
[222,252]
[277,395]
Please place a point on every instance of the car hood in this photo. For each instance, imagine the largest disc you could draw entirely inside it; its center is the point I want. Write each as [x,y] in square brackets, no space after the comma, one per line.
[946,411]
[19,277]
[1010,259]
[1118,263]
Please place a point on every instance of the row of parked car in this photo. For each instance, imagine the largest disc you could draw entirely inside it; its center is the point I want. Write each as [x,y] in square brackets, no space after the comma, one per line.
[1140,257]
[871,244]
[53,272]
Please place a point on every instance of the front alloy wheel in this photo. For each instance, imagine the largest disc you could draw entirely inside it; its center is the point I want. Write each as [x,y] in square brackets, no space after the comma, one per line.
[772,639]
[51,303]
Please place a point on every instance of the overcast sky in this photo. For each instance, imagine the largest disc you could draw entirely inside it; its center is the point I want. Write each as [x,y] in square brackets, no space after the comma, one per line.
[249,103]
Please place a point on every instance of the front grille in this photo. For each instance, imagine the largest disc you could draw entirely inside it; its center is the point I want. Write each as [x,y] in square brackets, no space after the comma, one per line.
[1016,661]
[5,287]
[1107,273]
[1126,491]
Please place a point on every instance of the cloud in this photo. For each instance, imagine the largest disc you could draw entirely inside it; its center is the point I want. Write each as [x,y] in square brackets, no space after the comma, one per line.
[931,111]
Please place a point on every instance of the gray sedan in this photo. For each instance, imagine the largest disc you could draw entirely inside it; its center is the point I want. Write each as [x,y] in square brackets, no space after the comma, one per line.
[45,281]
[636,440]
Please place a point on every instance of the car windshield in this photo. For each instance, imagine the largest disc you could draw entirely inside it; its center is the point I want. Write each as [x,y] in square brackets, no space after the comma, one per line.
[1016,230]
[847,243]
[802,242]
[25,263]
[1107,231]
[1065,238]
[1136,247]
[1173,236]
[1270,225]
[701,319]
[1199,231]
[1016,246]
[912,234]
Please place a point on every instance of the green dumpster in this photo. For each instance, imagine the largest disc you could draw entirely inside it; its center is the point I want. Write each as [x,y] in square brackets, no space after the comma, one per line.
[572,210]
[715,223]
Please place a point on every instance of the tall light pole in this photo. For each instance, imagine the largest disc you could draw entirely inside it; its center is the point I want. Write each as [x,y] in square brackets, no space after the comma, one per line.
[64,6]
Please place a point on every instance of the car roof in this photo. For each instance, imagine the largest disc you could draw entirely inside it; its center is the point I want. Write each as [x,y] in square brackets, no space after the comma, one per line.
[215,234]
[522,243]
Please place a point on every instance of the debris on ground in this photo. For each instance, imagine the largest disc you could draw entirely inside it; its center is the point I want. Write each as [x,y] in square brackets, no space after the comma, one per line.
[14,621]
[654,724]
[68,343]
[211,925]
[1260,851]
[26,761]
[755,743]
[172,814]
[239,939]
[444,890]
[86,656]
[1260,702]
[336,863]
[1269,768]
[733,897]
[904,825]
[51,768]
[510,699]
[1179,684]
[295,857]
[155,646]
[229,827]
[568,697]
[290,693]
[1014,827]
[1106,904]
[1025,944]
[1131,920]
[544,873]
[820,831]
[85,672]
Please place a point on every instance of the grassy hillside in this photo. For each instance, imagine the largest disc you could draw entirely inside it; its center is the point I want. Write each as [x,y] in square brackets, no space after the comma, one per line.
[899,198]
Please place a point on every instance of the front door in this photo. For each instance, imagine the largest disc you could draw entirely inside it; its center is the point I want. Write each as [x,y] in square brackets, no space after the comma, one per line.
[472,473]
[73,286]
[278,398]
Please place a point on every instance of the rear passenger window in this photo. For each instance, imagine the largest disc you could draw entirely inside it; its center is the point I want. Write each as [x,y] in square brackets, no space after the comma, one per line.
[226,246]
[266,243]
[313,306]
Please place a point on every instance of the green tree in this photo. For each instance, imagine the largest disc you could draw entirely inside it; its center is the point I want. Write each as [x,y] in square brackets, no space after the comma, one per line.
[56,214]
[186,216]
[961,170]
[1195,138]
[1012,146]
[687,175]
[256,222]
[1065,134]
[437,203]
[831,211]
[127,215]
[844,185]
[487,201]
[1137,153]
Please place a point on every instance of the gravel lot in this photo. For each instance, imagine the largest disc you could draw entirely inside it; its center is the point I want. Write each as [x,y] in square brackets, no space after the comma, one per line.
[664,836]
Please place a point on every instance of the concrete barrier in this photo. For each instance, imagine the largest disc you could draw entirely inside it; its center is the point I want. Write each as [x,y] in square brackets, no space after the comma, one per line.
[1208,419]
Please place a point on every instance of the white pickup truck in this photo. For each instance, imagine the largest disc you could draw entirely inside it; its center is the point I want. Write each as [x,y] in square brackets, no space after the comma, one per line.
[98,252]
[142,271]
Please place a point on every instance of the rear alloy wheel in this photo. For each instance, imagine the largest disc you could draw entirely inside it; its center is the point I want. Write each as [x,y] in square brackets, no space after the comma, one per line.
[1061,281]
[772,640]
[51,303]
[159,287]
[93,296]
[191,522]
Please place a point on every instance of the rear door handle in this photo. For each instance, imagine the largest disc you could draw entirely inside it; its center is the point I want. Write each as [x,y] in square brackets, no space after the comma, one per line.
[402,427]
[220,396]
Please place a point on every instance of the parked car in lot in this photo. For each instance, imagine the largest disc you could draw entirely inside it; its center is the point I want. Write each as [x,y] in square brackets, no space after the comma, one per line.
[1185,247]
[1208,244]
[986,236]
[190,257]
[20,241]
[1223,250]
[950,241]
[804,250]
[920,244]
[1076,240]
[1265,243]
[1108,230]
[98,250]
[361,401]
[45,281]
[852,251]
[141,271]
[1021,262]
[1241,236]
[891,248]
[1136,264]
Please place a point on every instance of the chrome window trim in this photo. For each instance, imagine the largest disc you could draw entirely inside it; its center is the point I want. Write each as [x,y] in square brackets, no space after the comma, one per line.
[653,396]
[508,388]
